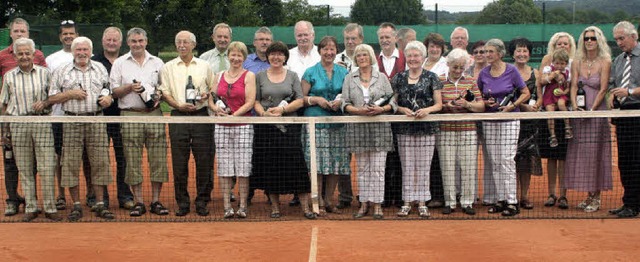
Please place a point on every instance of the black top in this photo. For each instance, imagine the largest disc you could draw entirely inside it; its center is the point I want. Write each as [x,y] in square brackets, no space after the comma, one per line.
[112,110]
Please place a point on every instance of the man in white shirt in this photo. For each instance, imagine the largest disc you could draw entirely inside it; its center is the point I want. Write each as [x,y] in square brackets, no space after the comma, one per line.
[217,57]
[353,36]
[459,38]
[306,54]
[391,60]
[68,32]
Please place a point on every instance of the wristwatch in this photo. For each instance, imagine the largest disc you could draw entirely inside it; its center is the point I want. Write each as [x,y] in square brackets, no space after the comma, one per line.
[630,91]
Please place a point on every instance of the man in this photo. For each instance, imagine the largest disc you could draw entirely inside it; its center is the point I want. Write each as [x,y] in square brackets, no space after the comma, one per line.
[217,57]
[353,36]
[18,28]
[625,71]
[390,62]
[68,33]
[405,35]
[459,38]
[257,61]
[140,66]
[306,53]
[77,86]
[30,81]
[111,43]
[189,138]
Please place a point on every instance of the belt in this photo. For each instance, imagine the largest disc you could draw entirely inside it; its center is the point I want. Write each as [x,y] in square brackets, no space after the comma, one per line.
[138,110]
[97,113]
[197,112]
[39,114]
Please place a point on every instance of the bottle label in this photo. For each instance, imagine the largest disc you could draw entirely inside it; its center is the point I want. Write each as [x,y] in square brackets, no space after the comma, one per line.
[105,92]
[191,94]
[532,102]
[283,103]
[580,101]
[221,104]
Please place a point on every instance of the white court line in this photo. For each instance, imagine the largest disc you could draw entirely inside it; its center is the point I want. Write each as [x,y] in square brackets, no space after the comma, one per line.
[313,250]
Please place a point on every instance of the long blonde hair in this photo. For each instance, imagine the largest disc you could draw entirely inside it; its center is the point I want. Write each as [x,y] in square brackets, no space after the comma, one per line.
[604,52]
[552,43]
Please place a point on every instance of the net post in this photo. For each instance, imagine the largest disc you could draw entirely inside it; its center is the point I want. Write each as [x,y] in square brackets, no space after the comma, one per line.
[313,165]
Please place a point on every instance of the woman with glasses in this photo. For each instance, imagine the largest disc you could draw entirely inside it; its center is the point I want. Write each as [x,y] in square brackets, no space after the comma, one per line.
[278,159]
[479,62]
[234,95]
[322,88]
[588,166]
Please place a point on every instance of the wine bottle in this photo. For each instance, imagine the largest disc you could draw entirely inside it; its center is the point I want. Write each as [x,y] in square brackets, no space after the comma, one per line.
[141,90]
[469,96]
[220,103]
[8,148]
[286,100]
[534,98]
[105,91]
[190,92]
[581,97]
[384,100]
[507,99]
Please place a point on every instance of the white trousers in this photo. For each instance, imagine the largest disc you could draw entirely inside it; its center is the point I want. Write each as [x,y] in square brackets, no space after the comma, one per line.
[416,153]
[501,141]
[370,166]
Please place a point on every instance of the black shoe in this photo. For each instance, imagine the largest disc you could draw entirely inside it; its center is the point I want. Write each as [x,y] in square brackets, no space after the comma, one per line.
[469,210]
[447,210]
[294,202]
[627,213]
[343,205]
[617,210]
[202,211]
[182,212]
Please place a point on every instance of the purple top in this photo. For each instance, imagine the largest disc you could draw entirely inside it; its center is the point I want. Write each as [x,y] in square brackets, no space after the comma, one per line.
[499,87]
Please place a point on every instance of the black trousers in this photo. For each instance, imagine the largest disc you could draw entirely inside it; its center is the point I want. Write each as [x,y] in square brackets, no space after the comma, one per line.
[629,159]
[393,175]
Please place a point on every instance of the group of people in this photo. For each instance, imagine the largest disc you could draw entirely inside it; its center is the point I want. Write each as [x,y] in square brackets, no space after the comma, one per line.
[432,164]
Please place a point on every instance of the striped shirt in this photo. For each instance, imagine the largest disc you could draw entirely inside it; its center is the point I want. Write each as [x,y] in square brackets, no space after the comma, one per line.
[8,61]
[20,89]
[174,75]
[452,91]
[69,77]
[125,69]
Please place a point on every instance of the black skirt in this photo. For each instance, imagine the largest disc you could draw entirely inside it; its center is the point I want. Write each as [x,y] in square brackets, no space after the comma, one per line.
[557,153]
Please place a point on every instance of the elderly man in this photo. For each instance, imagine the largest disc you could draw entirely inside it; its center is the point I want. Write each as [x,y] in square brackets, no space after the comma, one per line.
[405,35]
[18,28]
[134,79]
[24,93]
[217,57]
[78,87]
[111,43]
[257,61]
[353,36]
[306,53]
[625,71]
[186,70]
[391,60]
[459,38]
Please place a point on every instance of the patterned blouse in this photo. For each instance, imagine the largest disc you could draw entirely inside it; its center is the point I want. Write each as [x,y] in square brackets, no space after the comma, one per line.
[416,96]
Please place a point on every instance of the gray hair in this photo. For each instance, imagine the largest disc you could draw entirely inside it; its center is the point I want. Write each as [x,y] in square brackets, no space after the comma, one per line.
[307,23]
[81,39]
[402,32]
[222,25]
[627,27]
[263,30]
[22,42]
[18,20]
[498,44]
[457,55]
[466,32]
[416,45]
[366,48]
[112,28]
[137,31]
[192,37]
[354,26]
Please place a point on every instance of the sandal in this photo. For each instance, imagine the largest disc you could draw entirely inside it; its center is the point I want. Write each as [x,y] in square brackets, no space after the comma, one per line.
[551,201]
[242,212]
[563,203]
[275,214]
[553,141]
[497,208]
[228,213]
[526,204]
[61,203]
[138,210]
[593,206]
[103,212]
[333,209]
[76,214]
[510,210]
[568,132]
[423,211]
[309,215]
[322,211]
[361,213]
[158,209]
[404,211]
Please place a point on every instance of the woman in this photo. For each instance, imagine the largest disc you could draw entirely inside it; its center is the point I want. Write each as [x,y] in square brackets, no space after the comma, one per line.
[498,82]
[457,141]
[588,165]
[555,156]
[479,62]
[528,160]
[370,142]
[417,94]
[237,89]
[278,161]
[436,47]
[321,85]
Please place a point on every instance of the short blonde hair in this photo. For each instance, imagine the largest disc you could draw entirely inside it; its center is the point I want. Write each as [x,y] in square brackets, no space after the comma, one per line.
[238,46]
[365,48]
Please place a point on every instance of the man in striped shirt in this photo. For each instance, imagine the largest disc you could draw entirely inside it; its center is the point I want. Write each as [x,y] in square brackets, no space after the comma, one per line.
[24,93]
[78,86]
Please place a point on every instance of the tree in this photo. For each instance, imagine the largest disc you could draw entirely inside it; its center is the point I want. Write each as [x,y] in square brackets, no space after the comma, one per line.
[510,12]
[559,15]
[244,14]
[270,11]
[402,12]
[296,10]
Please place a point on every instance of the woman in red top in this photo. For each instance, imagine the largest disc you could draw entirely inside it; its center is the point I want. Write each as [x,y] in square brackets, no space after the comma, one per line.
[234,95]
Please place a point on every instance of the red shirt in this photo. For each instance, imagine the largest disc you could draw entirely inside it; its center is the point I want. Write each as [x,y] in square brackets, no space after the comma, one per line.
[8,61]
[234,97]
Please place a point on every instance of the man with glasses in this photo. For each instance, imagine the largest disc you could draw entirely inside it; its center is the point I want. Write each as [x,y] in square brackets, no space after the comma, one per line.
[257,61]
[217,57]
[18,28]
[353,36]
[459,38]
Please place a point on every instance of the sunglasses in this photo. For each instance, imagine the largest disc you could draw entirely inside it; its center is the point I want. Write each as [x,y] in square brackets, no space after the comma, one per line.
[592,38]
[478,52]
[67,22]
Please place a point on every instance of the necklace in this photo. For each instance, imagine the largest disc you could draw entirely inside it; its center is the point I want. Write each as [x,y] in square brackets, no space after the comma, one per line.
[233,76]
[589,64]
[365,80]
[414,78]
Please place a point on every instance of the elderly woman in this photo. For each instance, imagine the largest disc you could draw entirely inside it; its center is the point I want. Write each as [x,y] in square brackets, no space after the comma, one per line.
[479,62]
[321,85]
[436,47]
[236,87]
[588,166]
[500,82]
[417,94]
[365,93]
[457,141]
[555,156]
[528,160]
[278,160]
